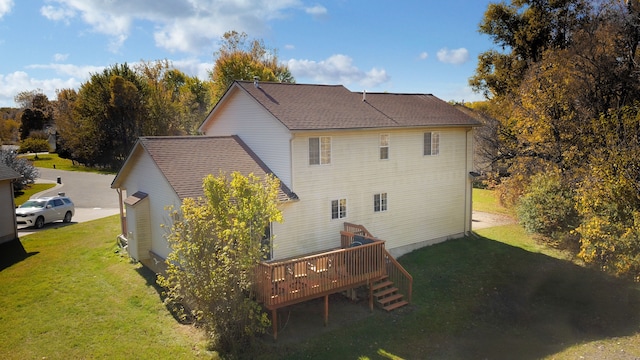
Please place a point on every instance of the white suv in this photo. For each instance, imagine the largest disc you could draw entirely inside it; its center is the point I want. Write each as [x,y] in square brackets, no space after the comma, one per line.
[37,212]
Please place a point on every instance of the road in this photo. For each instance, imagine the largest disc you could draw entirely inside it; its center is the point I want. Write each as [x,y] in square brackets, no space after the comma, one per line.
[91,194]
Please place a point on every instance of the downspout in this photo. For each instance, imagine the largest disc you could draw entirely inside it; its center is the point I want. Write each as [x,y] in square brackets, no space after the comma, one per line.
[468,191]
[123,223]
[13,205]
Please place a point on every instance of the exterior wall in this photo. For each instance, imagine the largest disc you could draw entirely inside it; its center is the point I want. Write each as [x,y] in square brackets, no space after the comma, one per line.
[264,134]
[428,196]
[139,226]
[146,177]
[8,229]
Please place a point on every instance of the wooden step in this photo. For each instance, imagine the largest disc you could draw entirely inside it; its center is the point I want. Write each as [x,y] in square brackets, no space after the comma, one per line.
[381,285]
[395,305]
[384,292]
[389,299]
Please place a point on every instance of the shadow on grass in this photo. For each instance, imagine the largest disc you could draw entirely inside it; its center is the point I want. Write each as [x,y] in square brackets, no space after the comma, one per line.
[499,300]
[12,252]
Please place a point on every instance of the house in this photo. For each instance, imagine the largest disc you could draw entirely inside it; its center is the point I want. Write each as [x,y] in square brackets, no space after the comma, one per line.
[8,225]
[351,166]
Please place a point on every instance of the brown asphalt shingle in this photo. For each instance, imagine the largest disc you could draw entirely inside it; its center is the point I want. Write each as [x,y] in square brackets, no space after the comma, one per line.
[186,160]
[7,173]
[323,107]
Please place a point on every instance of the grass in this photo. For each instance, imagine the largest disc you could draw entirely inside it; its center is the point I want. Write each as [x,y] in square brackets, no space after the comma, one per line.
[53,161]
[484,200]
[33,189]
[68,294]
[498,295]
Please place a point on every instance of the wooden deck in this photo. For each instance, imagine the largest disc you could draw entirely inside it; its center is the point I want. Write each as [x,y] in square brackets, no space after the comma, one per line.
[361,260]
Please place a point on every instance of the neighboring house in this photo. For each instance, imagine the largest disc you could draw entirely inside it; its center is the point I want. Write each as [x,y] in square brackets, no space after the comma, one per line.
[397,164]
[8,225]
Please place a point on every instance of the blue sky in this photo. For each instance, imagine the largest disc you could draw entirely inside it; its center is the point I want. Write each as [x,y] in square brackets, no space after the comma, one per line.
[409,46]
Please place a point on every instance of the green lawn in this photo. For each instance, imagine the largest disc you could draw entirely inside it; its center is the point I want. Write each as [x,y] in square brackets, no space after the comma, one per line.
[498,295]
[485,200]
[33,189]
[53,161]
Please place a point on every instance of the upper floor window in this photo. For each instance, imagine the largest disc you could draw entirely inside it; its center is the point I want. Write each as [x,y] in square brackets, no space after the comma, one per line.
[380,202]
[431,143]
[320,150]
[384,146]
[338,209]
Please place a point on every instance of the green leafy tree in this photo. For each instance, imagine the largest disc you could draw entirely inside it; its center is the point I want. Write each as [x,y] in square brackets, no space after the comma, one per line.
[34,145]
[547,208]
[240,59]
[216,244]
[21,166]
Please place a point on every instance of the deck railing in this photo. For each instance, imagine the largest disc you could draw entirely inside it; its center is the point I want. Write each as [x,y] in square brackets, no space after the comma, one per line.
[400,277]
[287,282]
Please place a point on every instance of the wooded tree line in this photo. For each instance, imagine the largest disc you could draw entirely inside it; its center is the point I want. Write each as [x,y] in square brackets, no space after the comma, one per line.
[98,124]
[562,135]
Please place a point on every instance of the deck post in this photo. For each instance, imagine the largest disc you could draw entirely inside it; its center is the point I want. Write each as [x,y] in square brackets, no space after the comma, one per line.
[274,322]
[326,310]
[370,295]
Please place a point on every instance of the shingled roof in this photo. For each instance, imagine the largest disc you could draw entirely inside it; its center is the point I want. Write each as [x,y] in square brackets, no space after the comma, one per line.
[325,107]
[7,173]
[186,160]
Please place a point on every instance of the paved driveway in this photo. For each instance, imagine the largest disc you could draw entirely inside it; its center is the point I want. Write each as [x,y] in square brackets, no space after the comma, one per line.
[91,194]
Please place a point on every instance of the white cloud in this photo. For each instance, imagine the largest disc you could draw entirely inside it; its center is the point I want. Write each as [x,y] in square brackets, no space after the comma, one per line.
[16,82]
[180,25]
[455,56]
[337,69]
[423,55]
[318,11]
[60,57]
[5,7]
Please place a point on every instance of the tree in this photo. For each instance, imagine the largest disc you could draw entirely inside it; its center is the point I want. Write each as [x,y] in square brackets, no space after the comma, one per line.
[21,166]
[238,59]
[216,244]
[34,145]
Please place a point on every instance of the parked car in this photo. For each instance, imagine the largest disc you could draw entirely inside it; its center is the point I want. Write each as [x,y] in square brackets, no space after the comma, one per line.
[40,211]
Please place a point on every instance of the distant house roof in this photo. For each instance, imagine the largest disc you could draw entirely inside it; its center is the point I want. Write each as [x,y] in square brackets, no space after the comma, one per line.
[325,107]
[7,173]
[186,160]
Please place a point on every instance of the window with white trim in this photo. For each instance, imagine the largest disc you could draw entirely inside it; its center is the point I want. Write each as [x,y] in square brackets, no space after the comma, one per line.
[338,209]
[431,143]
[384,146]
[380,202]
[320,150]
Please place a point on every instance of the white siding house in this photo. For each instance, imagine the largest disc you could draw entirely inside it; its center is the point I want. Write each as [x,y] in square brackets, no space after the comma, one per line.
[8,226]
[396,163]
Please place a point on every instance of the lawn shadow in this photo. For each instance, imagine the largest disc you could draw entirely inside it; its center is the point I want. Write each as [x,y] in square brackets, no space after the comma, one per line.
[512,303]
[12,252]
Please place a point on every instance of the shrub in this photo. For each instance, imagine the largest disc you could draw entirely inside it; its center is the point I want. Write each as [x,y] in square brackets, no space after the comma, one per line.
[33,145]
[548,208]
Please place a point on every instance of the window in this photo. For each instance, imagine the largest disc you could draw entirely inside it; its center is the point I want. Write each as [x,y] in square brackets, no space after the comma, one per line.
[384,146]
[320,150]
[338,209]
[380,202]
[431,143]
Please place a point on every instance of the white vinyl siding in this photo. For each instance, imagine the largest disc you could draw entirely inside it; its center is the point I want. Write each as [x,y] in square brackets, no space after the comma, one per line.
[8,230]
[430,193]
[431,143]
[264,134]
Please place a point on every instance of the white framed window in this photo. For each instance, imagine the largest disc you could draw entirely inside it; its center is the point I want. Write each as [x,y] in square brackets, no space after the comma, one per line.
[338,209]
[432,143]
[384,146]
[320,150]
[380,202]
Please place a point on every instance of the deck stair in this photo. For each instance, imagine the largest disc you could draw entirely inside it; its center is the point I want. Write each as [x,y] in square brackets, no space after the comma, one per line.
[386,295]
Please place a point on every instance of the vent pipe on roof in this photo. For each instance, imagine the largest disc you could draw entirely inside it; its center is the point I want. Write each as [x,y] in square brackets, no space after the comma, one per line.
[255,82]
[364,95]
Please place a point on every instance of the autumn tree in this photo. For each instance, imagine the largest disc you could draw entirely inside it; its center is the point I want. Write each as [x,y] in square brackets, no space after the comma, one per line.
[216,244]
[242,59]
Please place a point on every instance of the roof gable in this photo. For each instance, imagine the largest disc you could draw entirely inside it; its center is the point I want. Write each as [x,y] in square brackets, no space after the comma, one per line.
[333,107]
[7,173]
[186,160]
